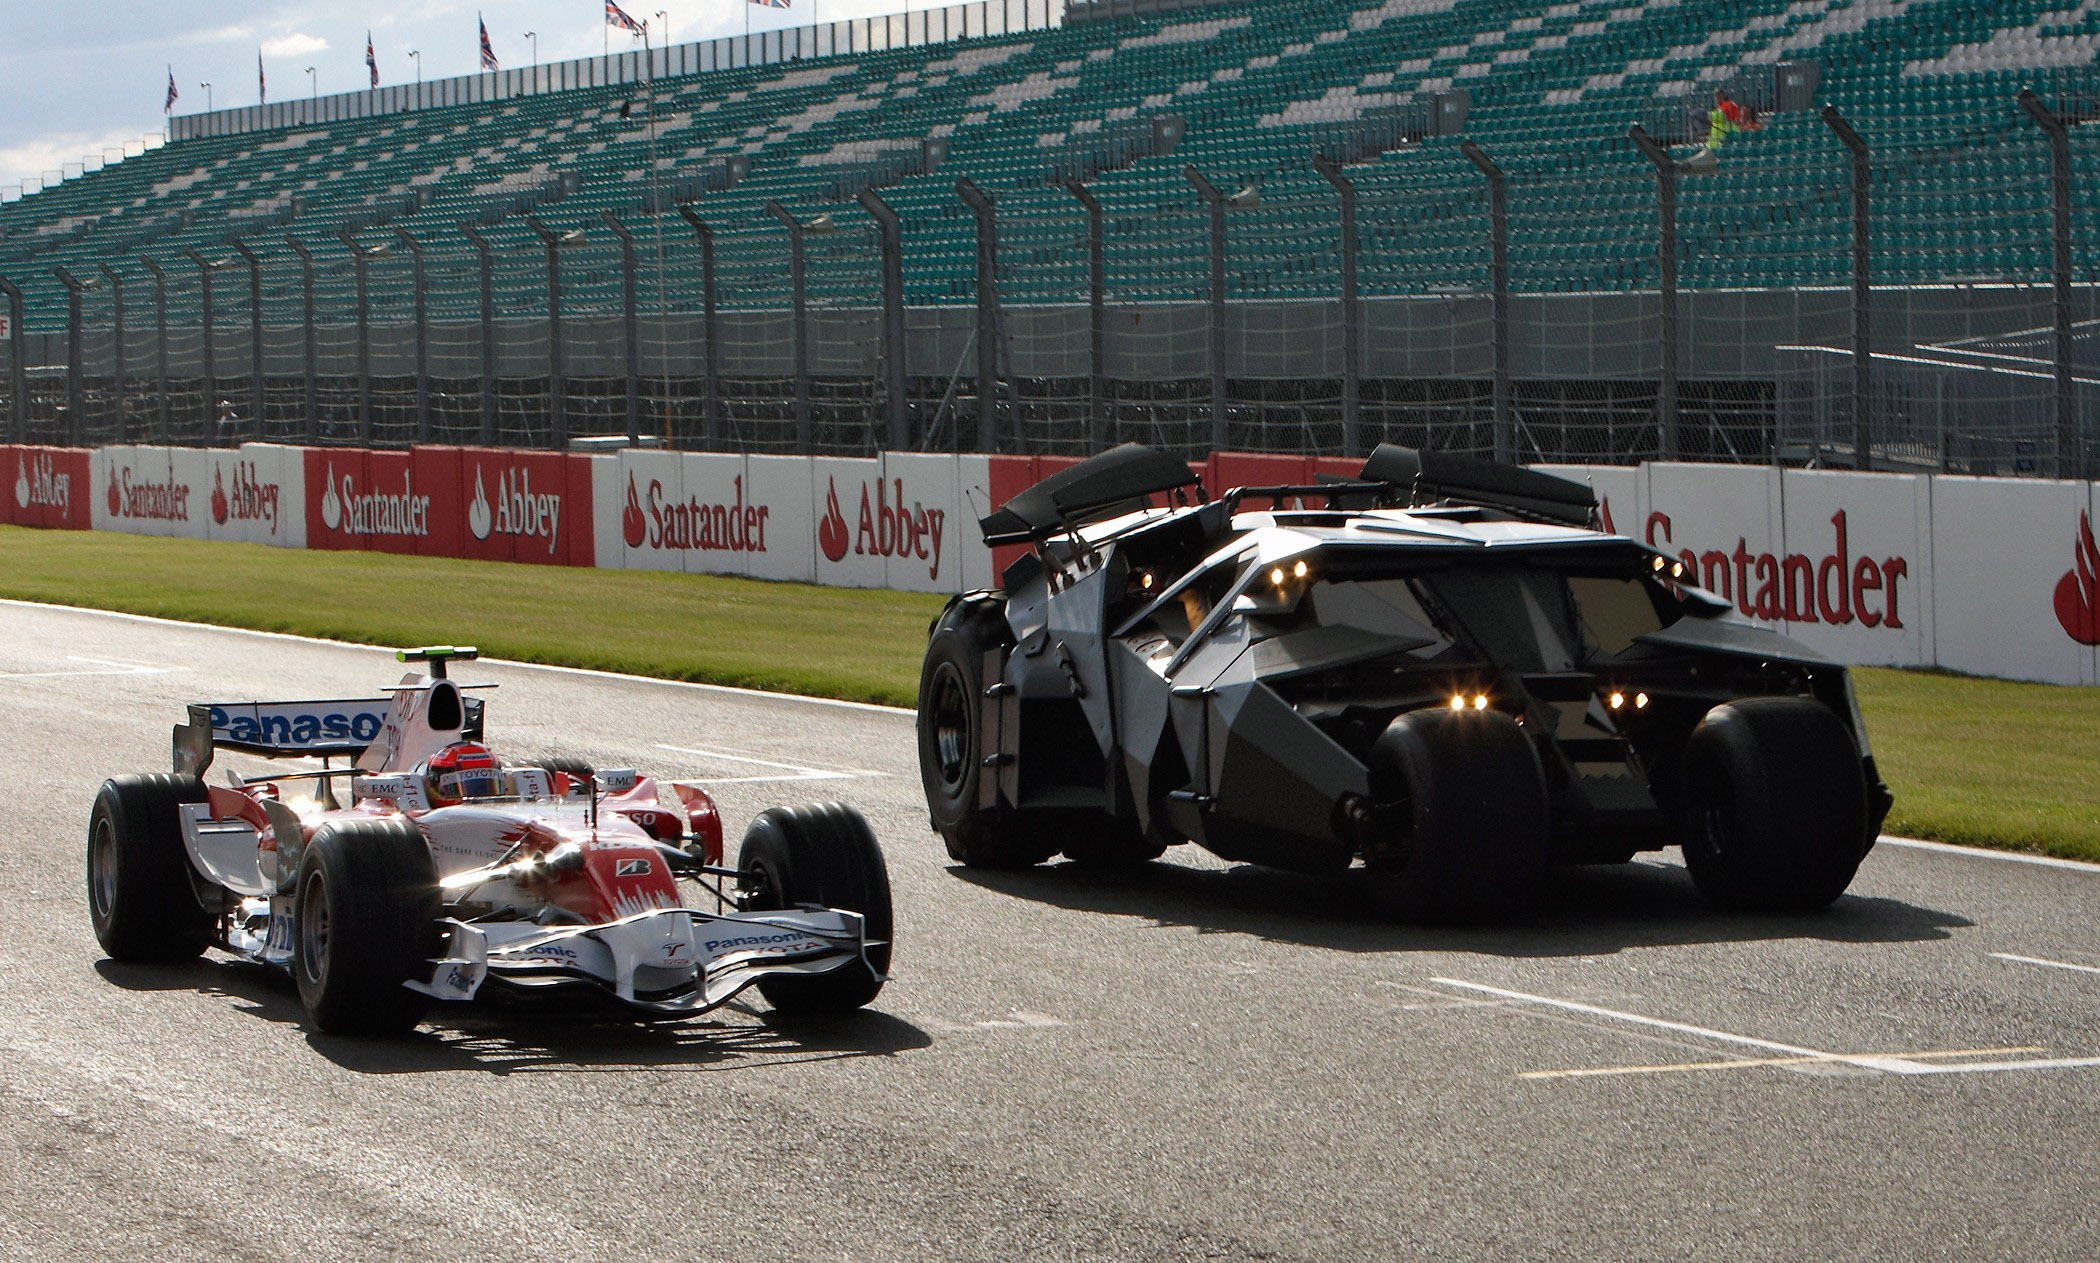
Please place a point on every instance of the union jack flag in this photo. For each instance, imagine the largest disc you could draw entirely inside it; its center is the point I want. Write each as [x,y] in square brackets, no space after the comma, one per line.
[262,81]
[773,4]
[169,106]
[616,16]
[488,50]
[371,59]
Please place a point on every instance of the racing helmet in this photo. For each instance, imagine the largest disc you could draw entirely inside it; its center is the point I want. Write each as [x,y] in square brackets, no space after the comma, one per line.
[462,770]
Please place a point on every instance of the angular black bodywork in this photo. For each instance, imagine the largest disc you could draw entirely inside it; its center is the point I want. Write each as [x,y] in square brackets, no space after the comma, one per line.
[1309,687]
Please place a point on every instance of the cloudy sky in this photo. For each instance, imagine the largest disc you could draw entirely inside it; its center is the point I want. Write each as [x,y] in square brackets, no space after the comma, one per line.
[79,79]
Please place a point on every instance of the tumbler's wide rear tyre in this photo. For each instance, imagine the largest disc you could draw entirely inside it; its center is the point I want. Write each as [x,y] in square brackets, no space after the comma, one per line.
[953,746]
[1775,805]
[824,854]
[1470,802]
[365,922]
[142,894]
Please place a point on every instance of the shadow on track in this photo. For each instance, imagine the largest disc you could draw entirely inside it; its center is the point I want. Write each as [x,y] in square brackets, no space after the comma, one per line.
[543,1035]
[1583,911]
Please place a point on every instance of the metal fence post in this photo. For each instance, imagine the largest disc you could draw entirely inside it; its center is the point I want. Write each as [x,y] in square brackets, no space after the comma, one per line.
[76,394]
[1666,257]
[160,333]
[1862,291]
[629,328]
[255,333]
[2070,460]
[311,347]
[487,434]
[116,327]
[421,298]
[797,280]
[557,383]
[1096,281]
[18,376]
[1352,327]
[891,230]
[1498,287]
[359,257]
[1215,202]
[210,427]
[983,211]
[711,420]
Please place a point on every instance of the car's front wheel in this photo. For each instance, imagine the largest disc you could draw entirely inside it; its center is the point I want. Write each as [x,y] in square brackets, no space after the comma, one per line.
[365,922]
[823,854]
[1462,817]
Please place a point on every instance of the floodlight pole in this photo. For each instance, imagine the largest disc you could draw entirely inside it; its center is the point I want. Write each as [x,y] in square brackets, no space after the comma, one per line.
[160,333]
[116,298]
[211,383]
[890,229]
[487,434]
[76,394]
[711,421]
[358,261]
[1862,290]
[312,425]
[2070,461]
[557,384]
[797,280]
[983,210]
[629,328]
[1096,279]
[1666,258]
[1498,287]
[1352,327]
[255,333]
[1215,202]
[415,265]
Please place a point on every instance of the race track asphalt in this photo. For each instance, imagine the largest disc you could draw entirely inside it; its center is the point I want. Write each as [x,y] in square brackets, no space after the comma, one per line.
[1200,1061]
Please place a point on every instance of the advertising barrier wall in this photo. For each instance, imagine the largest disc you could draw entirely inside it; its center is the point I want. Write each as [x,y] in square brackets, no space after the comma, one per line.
[1989,576]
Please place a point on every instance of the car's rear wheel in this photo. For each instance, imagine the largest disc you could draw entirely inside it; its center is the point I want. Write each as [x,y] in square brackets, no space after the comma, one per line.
[1774,805]
[1462,817]
[142,893]
[823,854]
[953,746]
[365,922]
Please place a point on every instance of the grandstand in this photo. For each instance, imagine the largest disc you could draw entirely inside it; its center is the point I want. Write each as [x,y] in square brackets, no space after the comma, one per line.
[607,171]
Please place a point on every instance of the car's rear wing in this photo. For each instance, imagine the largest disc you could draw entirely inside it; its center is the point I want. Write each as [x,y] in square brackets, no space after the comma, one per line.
[302,729]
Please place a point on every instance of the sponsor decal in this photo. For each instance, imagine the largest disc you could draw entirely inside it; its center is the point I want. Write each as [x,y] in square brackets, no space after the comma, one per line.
[2078,592]
[252,499]
[1797,588]
[691,525]
[518,512]
[38,483]
[283,726]
[374,512]
[161,501]
[675,951]
[631,868]
[773,941]
[551,951]
[887,528]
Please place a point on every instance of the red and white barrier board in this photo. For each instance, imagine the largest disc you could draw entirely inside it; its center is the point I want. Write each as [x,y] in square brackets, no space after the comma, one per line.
[1992,576]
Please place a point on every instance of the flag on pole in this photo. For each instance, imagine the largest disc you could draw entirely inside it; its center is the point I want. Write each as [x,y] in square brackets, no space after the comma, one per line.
[488,50]
[168,107]
[371,59]
[615,16]
[262,81]
[773,4]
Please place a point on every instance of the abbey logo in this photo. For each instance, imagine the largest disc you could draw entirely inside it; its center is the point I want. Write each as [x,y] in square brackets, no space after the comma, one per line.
[39,484]
[887,527]
[2078,592]
[517,512]
[251,500]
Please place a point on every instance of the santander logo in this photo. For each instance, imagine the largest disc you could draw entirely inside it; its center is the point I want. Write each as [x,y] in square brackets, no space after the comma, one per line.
[163,501]
[374,512]
[1836,588]
[693,525]
[2078,592]
[518,512]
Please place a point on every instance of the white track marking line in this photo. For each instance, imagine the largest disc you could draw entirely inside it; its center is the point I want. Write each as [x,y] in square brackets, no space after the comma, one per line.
[1871,1061]
[2052,964]
[115,668]
[2013,857]
[1739,1063]
[796,771]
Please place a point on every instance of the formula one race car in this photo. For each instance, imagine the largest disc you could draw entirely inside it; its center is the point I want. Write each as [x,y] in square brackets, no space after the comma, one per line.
[449,869]
[1442,671]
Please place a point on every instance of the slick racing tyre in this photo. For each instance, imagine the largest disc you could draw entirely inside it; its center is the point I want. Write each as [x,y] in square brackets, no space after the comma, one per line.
[142,892]
[365,922]
[1775,805]
[953,744]
[1464,802]
[823,854]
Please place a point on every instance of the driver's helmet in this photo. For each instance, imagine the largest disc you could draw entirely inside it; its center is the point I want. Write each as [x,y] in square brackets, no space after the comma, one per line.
[464,769]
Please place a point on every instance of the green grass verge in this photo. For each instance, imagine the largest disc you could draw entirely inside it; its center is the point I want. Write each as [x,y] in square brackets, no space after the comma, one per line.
[791,637]
[1982,762]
